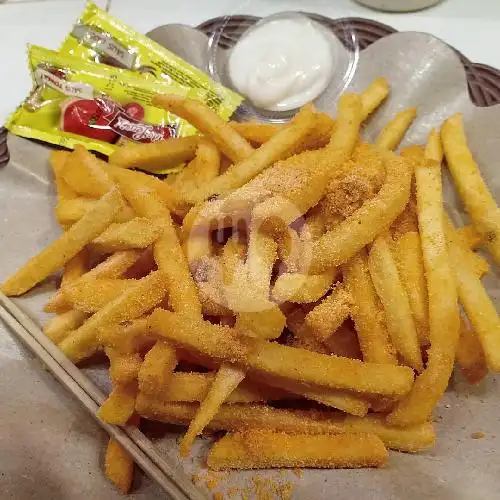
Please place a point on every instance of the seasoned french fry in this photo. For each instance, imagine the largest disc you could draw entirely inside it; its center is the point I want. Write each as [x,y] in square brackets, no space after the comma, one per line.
[277,148]
[127,337]
[410,439]
[61,325]
[124,368]
[203,169]
[86,174]
[349,118]
[470,237]
[193,387]
[236,417]
[118,466]
[263,324]
[408,257]
[226,380]
[120,405]
[373,96]
[345,401]
[434,147]
[168,252]
[156,371]
[257,132]
[330,313]
[89,296]
[58,161]
[72,210]
[443,311]
[470,354]
[475,300]
[113,267]
[392,294]
[208,122]
[475,195]
[394,131]
[75,268]
[278,360]
[136,233]
[146,294]
[261,449]
[338,245]
[366,312]
[155,156]
[302,288]
[66,246]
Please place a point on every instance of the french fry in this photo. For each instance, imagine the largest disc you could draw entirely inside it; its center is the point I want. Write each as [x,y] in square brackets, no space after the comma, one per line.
[124,368]
[475,195]
[203,169]
[366,312]
[75,268]
[475,300]
[264,324]
[156,371]
[86,174]
[330,313]
[236,417]
[155,156]
[349,118]
[168,252]
[257,132]
[120,404]
[113,267]
[226,380]
[302,288]
[345,401]
[338,245]
[61,325]
[58,161]
[394,131]
[470,237]
[261,449]
[89,296]
[281,361]
[194,387]
[277,148]
[408,256]
[57,254]
[373,96]
[233,417]
[207,122]
[136,233]
[392,294]
[434,147]
[430,385]
[470,354]
[127,337]
[118,466]
[409,439]
[169,196]
[146,294]
[72,210]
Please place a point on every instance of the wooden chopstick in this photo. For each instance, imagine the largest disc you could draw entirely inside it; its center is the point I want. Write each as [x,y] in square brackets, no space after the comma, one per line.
[175,483]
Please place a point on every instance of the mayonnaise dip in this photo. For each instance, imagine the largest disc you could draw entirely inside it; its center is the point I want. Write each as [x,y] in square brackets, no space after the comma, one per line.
[282,63]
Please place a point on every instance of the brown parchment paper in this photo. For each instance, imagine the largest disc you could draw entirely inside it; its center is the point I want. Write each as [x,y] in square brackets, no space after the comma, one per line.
[424,73]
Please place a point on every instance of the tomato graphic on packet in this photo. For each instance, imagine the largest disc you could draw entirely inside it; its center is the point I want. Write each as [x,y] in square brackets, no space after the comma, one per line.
[134,110]
[84,117]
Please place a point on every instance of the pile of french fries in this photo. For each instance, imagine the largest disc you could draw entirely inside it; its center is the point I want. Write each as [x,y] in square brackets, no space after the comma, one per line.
[293,285]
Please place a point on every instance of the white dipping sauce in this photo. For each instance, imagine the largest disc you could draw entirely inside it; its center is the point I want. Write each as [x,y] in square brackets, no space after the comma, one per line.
[282,64]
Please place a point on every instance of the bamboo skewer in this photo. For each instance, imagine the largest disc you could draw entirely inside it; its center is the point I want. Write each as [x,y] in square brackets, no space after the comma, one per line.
[164,472]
